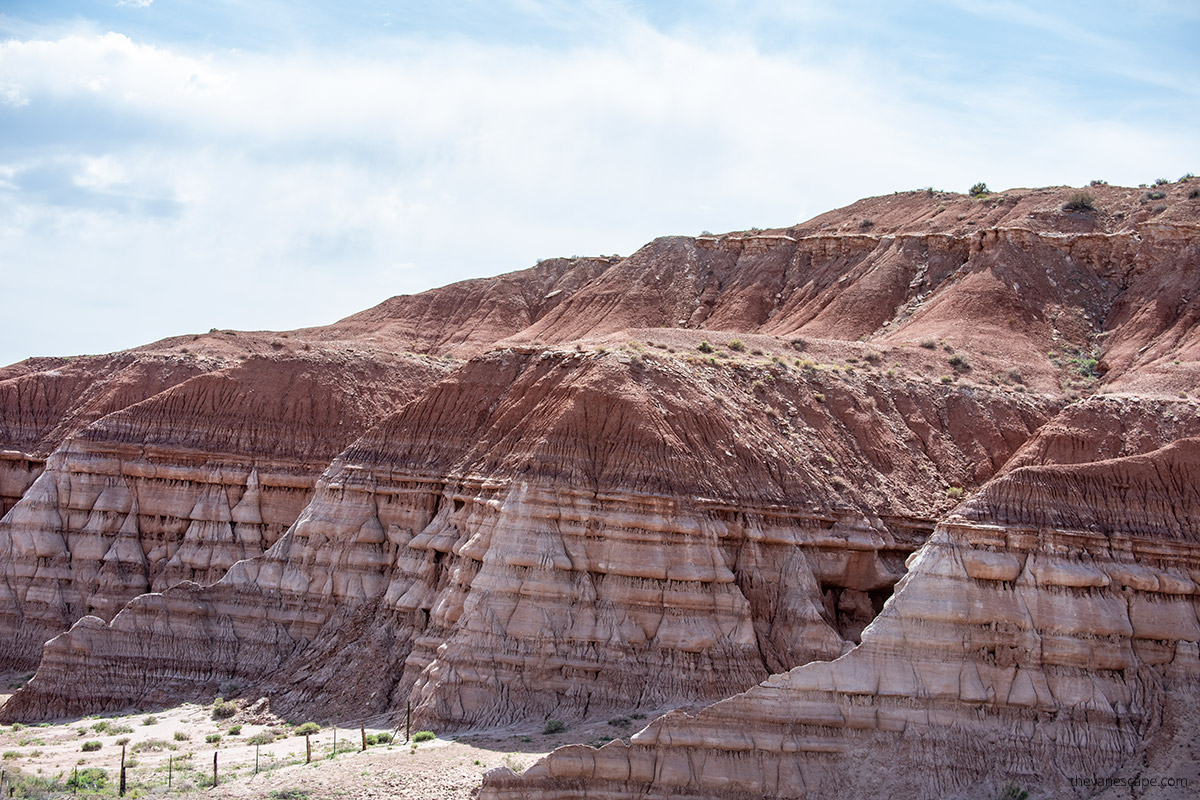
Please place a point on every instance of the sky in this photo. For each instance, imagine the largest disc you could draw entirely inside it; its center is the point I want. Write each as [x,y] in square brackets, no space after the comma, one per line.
[171,166]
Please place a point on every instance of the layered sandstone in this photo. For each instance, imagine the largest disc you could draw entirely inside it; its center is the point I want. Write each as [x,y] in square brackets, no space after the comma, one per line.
[691,474]
[180,486]
[562,534]
[1034,640]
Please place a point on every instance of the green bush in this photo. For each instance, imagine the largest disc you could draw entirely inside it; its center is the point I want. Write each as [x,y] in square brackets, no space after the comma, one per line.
[307,729]
[223,710]
[554,726]
[959,363]
[1193,194]
[263,737]
[979,189]
[180,736]
[235,730]
[383,738]
[92,746]
[737,345]
[151,720]
[213,738]
[954,492]
[704,347]
[1161,181]
[1155,195]
[90,779]
[423,736]
[1080,201]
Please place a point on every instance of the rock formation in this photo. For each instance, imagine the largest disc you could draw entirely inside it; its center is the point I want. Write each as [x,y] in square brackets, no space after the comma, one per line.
[614,533]
[693,475]
[1034,640]
[181,485]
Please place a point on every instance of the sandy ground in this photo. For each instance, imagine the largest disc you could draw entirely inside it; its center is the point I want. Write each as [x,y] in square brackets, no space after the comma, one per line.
[173,745]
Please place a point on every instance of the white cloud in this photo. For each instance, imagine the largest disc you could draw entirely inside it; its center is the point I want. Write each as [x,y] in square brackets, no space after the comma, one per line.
[186,190]
[135,3]
[11,95]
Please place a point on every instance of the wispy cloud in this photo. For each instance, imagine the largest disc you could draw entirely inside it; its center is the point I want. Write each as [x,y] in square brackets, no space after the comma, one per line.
[291,186]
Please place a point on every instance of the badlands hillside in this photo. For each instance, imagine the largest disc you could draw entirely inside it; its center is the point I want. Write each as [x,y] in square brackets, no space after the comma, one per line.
[901,501]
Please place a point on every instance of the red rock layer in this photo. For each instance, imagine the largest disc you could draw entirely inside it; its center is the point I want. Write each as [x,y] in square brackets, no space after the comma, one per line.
[45,400]
[182,485]
[469,317]
[1034,640]
[565,533]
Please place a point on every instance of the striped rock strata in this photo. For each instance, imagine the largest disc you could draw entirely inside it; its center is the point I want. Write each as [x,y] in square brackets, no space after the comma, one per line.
[1036,640]
[180,486]
[562,534]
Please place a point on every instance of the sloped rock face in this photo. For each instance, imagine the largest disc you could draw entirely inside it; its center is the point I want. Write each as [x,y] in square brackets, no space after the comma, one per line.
[562,534]
[180,486]
[45,400]
[1035,640]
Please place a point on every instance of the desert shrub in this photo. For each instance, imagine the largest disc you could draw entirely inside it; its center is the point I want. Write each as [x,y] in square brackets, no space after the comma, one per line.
[235,730]
[307,728]
[866,224]
[263,737]
[124,740]
[1193,194]
[222,709]
[799,343]
[929,344]
[1161,181]
[1098,182]
[114,730]
[1080,201]
[213,738]
[954,492]
[423,736]
[554,726]
[959,363]
[704,347]
[150,720]
[90,779]
[383,738]
[180,736]
[92,746]
[1156,195]
[151,745]
[947,379]
[979,189]
[100,726]
[619,722]
[737,345]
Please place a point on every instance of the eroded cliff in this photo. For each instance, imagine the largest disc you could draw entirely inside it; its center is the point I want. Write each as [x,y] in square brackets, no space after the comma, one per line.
[695,474]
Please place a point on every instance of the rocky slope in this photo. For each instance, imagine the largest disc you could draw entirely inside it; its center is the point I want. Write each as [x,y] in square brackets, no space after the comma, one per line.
[1034,640]
[601,532]
[696,474]
[181,485]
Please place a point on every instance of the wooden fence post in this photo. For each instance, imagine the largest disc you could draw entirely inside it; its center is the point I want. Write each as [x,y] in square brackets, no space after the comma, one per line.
[122,790]
[307,749]
[214,769]
[362,728]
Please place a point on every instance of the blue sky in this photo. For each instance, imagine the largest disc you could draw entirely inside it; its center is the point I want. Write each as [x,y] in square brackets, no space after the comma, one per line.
[167,167]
